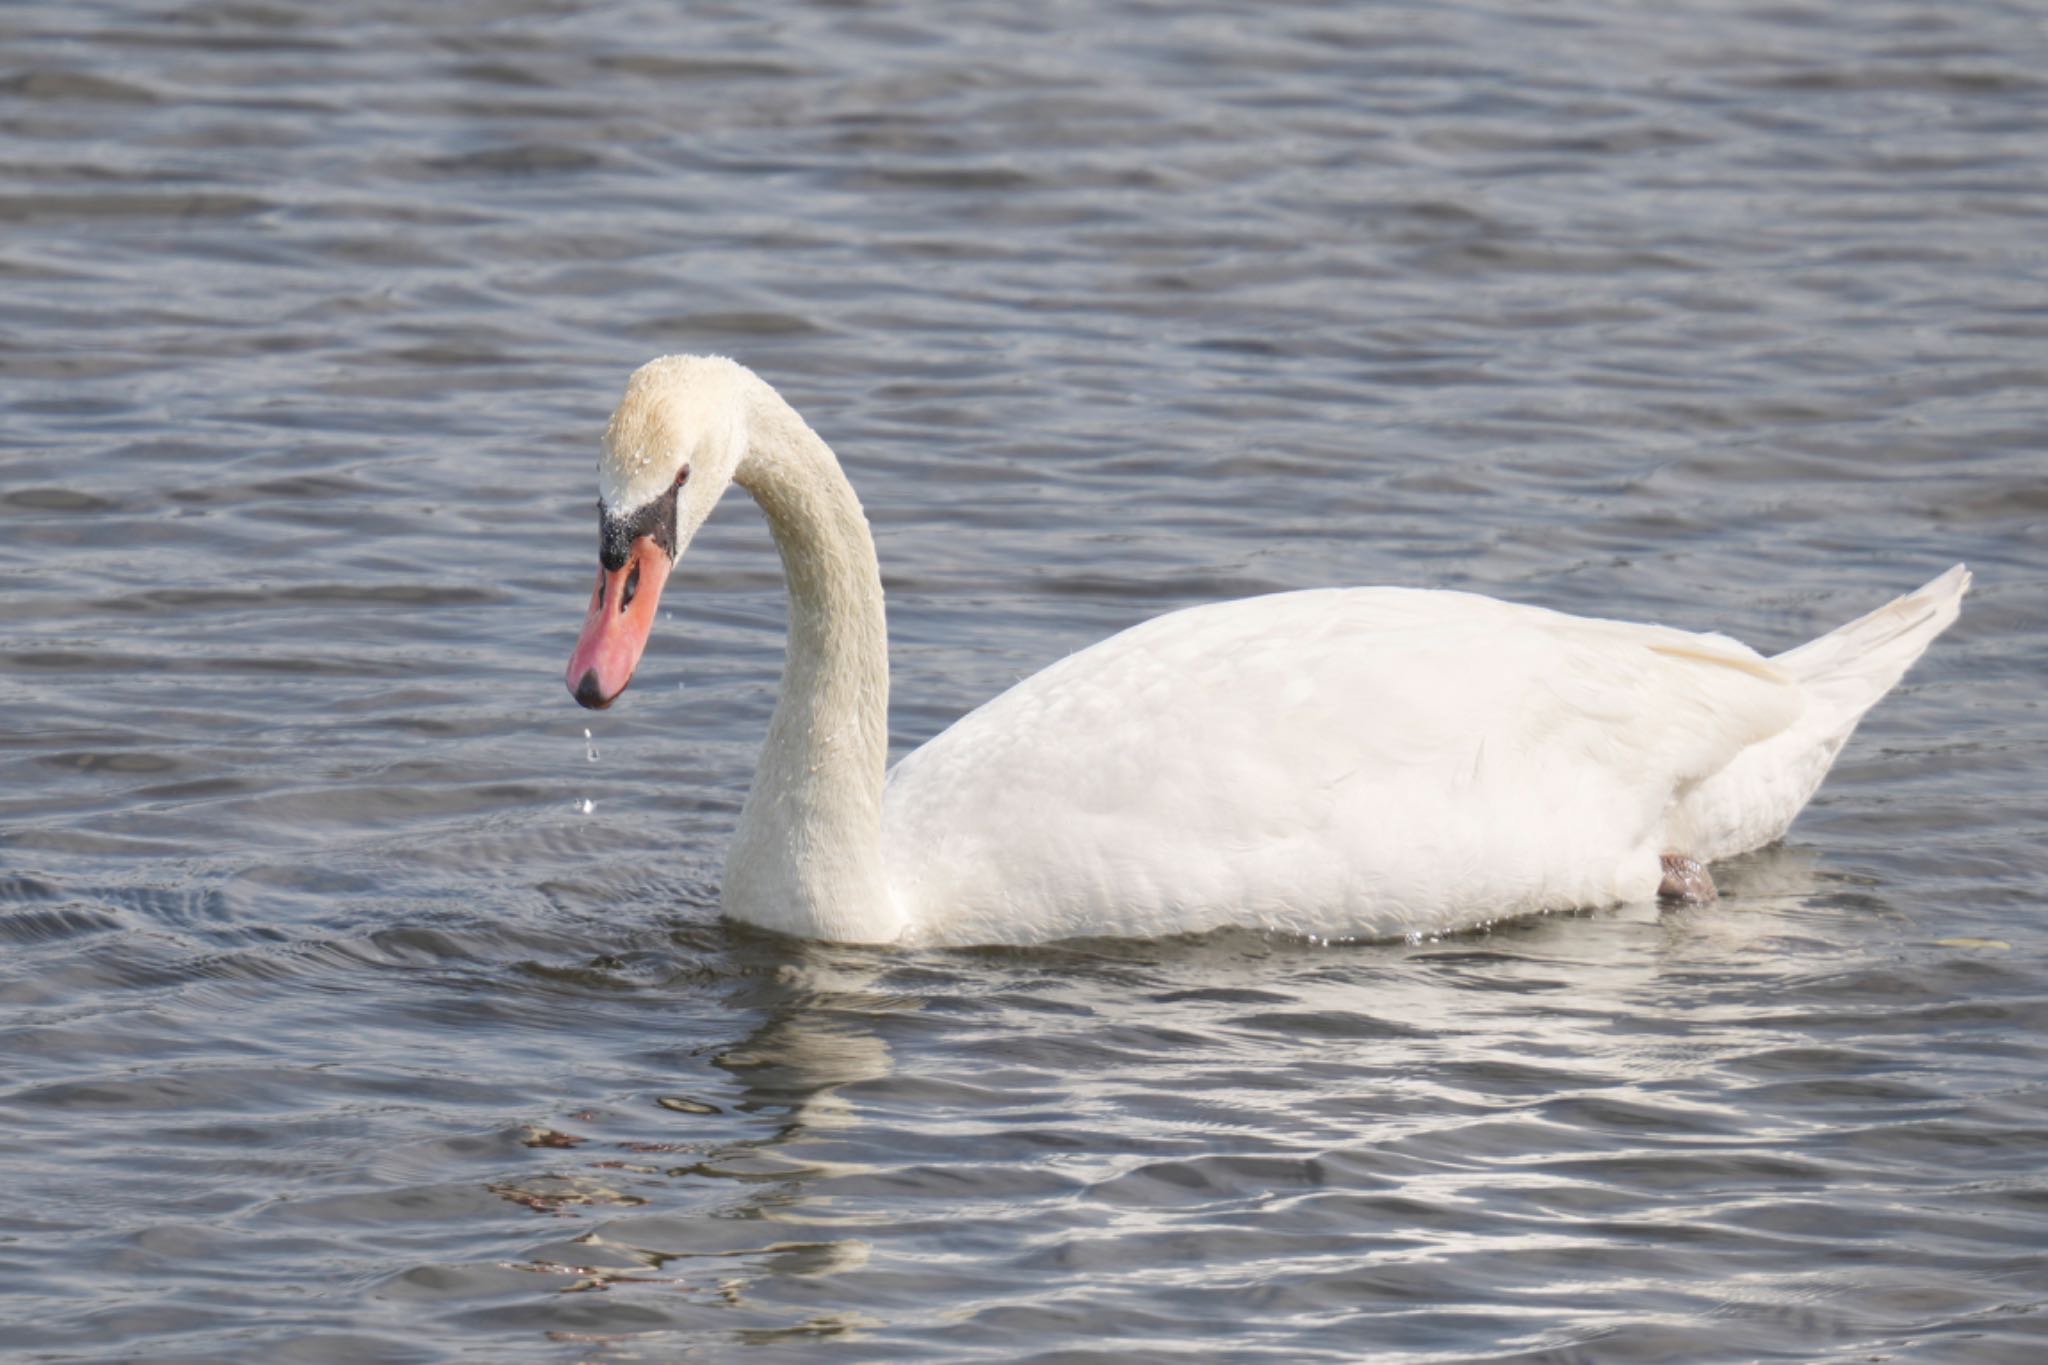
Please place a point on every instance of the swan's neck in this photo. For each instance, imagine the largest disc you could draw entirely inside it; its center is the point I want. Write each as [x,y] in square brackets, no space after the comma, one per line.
[807,858]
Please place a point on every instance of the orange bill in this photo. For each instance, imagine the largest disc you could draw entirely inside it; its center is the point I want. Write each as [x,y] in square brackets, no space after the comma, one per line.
[620,620]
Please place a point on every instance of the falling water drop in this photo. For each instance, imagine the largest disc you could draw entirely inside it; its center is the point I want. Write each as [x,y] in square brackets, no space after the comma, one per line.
[589,748]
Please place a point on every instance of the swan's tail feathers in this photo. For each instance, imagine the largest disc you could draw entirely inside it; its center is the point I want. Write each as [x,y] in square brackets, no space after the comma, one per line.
[1847,670]
[1753,800]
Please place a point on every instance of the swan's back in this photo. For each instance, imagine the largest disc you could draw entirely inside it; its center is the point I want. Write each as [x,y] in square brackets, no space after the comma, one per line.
[1346,762]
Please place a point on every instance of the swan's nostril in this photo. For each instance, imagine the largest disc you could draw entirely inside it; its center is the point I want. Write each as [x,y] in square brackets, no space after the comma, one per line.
[632,587]
[590,693]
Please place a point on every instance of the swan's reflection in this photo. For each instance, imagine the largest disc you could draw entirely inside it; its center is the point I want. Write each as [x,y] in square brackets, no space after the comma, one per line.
[747,1209]
[815,1035]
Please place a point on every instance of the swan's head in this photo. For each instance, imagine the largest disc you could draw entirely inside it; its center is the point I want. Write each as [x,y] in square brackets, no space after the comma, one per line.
[671,448]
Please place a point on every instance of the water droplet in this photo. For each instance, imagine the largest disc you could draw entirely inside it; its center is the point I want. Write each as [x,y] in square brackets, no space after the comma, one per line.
[589,748]
[588,805]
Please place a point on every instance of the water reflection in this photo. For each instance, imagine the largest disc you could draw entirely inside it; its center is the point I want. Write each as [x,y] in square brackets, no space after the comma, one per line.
[750,1191]
[816,1035]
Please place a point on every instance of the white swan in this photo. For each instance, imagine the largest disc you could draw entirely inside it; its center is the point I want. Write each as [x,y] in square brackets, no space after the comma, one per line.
[1363,762]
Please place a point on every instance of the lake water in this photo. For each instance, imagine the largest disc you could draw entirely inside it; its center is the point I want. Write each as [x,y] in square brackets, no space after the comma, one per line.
[355,1006]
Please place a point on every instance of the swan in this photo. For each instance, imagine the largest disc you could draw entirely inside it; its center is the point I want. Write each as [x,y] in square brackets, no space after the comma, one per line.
[1340,762]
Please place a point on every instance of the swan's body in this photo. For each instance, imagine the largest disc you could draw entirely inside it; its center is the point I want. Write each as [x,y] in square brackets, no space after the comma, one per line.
[1343,762]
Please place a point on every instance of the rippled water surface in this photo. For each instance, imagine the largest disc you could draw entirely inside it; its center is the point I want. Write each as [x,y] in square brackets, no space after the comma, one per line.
[355,1007]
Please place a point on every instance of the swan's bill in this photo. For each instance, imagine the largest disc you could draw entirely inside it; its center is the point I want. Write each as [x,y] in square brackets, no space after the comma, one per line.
[621,617]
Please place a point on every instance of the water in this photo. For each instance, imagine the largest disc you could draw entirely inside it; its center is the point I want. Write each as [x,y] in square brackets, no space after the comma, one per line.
[350,1012]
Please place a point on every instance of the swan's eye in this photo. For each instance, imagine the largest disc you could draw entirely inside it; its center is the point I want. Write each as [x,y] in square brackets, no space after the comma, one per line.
[632,586]
[682,476]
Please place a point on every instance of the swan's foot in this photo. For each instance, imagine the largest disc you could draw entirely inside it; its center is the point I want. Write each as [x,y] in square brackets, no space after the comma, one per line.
[1686,880]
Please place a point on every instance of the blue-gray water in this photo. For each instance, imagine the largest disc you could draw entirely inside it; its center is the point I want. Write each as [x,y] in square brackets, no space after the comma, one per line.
[333,1027]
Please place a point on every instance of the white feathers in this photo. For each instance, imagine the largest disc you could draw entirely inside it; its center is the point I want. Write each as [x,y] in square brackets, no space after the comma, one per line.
[677,411]
[1367,762]
[1839,676]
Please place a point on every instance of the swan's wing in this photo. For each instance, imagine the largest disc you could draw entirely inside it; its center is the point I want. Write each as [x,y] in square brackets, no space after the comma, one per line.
[1361,762]
[1675,706]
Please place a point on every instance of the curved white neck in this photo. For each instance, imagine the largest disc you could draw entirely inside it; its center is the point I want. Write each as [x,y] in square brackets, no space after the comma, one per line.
[807,858]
